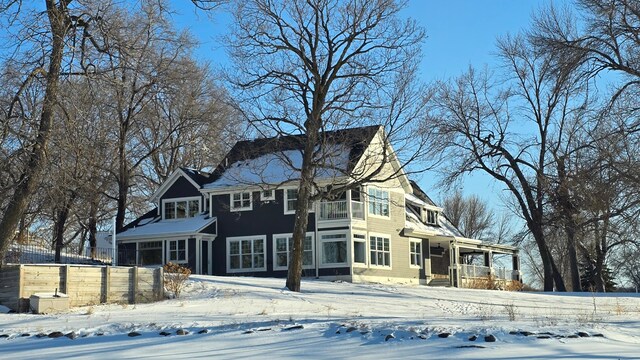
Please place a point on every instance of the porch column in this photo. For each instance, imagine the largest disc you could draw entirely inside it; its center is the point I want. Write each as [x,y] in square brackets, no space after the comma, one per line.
[488,261]
[516,267]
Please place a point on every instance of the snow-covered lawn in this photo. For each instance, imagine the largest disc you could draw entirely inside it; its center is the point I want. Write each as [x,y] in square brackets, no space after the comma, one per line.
[237,317]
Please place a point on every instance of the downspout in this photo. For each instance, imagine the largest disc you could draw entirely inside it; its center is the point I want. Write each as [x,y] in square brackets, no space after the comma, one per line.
[114,258]
[317,241]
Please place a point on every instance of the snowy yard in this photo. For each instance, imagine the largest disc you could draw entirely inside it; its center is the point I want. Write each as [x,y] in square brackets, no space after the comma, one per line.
[227,317]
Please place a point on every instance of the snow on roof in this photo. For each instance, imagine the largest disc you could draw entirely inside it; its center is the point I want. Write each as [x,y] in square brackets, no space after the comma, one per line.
[445,229]
[279,167]
[414,199]
[168,227]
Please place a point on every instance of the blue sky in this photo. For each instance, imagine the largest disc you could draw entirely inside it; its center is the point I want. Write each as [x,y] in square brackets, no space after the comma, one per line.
[459,33]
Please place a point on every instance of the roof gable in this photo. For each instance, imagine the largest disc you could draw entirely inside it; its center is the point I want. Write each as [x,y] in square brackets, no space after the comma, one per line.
[196,178]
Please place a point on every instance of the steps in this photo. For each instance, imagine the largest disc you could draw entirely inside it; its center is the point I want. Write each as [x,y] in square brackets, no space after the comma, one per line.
[439,282]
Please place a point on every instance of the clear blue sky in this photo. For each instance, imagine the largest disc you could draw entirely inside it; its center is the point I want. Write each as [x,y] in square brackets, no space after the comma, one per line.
[459,33]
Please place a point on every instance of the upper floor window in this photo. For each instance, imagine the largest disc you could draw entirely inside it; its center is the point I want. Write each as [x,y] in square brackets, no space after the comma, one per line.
[267,195]
[181,208]
[241,201]
[432,217]
[291,201]
[378,202]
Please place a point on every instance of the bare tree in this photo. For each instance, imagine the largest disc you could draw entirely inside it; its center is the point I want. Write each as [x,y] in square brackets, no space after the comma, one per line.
[309,67]
[67,30]
[470,215]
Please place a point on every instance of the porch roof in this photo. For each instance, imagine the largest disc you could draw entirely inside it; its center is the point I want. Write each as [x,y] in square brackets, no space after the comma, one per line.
[156,227]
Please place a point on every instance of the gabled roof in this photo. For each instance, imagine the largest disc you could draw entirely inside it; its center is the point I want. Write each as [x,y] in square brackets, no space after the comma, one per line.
[275,160]
[195,177]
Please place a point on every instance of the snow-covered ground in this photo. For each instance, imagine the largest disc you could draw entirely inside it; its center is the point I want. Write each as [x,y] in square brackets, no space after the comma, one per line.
[234,317]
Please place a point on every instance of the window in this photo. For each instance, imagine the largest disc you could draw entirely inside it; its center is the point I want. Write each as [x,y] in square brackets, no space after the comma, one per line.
[181,208]
[177,250]
[432,217]
[334,249]
[378,202]
[415,252]
[241,201]
[359,249]
[150,253]
[267,195]
[283,244]
[380,251]
[246,254]
[291,201]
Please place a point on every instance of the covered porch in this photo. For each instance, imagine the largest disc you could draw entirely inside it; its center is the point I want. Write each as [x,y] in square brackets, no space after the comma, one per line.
[473,263]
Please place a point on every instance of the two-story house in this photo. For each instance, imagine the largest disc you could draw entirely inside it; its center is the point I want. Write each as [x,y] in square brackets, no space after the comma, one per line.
[238,220]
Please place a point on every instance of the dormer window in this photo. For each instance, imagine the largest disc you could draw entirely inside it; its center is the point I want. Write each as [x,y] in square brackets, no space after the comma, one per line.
[432,217]
[181,208]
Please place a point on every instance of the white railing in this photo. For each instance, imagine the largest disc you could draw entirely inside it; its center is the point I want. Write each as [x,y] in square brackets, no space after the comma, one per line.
[478,271]
[333,210]
[357,210]
[474,271]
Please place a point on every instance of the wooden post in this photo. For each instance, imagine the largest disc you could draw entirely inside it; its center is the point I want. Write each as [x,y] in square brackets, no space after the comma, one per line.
[104,298]
[134,286]
[20,288]
[65,290]
[159,284]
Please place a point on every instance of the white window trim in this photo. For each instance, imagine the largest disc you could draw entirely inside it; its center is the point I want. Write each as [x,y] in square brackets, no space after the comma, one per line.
[267,198]
[249,208]
[313,251]
[320,241]
[419,242]
[371,265]
[288,211]
[368,198]
[240,238]
[186,251]
[187,199]
[436,216]
[366,249]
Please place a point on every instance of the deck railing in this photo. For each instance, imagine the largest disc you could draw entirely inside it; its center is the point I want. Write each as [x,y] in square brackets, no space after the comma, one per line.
[337,210]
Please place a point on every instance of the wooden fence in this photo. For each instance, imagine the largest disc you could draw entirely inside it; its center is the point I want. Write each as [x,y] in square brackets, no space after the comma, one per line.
[85,285]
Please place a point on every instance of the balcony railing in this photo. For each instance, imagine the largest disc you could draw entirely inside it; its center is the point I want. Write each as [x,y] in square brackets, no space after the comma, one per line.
[337,210]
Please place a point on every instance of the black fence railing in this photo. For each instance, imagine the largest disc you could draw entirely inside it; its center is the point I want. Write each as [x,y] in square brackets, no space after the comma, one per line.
[36,254]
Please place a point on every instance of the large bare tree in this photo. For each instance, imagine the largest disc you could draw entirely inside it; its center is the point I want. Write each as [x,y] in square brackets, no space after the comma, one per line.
[306,67]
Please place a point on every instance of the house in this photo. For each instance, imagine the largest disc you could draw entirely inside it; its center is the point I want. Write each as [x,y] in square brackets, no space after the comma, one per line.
[238,219]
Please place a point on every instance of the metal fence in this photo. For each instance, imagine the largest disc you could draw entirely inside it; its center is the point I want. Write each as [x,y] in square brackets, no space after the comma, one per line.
[36,254]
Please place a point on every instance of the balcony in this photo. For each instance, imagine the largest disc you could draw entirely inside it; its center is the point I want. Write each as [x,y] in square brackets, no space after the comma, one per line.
[340,210]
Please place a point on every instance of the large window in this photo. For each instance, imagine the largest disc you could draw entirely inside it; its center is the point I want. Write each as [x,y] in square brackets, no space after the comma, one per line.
[334,249]
[150,253]
[181,208]
[283,244]
[380,251]
[246,254]
[378,202]
[241,201]
[360,249]
[415,252]
[177,251]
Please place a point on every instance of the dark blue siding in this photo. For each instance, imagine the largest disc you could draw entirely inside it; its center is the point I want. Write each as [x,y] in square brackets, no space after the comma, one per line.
[266,218]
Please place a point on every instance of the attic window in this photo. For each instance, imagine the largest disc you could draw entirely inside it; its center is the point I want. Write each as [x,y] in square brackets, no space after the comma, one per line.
[432,217]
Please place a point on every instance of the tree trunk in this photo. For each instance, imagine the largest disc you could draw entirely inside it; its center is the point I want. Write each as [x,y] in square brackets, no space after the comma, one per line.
[93,229]
[31,174]
[294,273]
[58,231]
[568,213]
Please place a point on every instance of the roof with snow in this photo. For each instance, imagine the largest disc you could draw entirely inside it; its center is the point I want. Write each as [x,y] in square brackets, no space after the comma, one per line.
[199,177]
[146,227]
[445,228]
[278,159]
